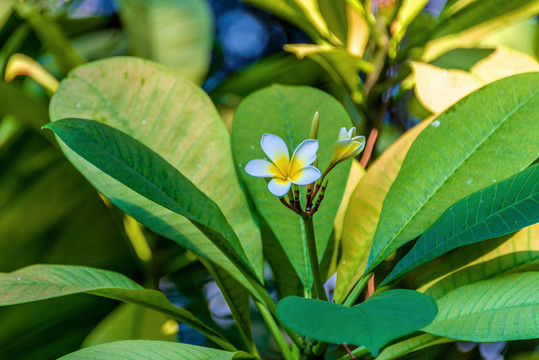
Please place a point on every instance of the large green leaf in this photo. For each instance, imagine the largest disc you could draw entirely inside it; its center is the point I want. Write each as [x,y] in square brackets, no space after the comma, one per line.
[469,146]
[177,120]
[287,112]
[148,349]
[40,282]
[176,33]
[364,209]
[498,309]
[479,261]
[374,323]
[145,172]
[494,211]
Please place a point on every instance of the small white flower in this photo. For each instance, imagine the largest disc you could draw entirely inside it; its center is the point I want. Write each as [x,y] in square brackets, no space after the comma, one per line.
[283,170]
[347,145]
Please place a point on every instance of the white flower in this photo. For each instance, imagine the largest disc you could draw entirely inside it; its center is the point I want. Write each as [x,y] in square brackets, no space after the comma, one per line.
[283,170]
[347,145]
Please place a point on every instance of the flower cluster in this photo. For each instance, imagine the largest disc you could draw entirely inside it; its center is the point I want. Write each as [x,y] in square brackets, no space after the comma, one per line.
[283,171]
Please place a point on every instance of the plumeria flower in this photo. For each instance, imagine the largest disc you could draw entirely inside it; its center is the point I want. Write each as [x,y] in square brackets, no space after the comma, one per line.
[283,170]
[347,146]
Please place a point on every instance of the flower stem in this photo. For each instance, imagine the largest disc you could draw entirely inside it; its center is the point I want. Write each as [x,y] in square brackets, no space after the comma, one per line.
[313,258]
[275,331]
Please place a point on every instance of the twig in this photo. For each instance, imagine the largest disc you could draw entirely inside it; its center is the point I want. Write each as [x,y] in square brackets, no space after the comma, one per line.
[349,352]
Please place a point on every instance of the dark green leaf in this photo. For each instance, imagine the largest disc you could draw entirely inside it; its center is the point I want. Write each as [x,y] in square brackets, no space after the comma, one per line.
[177,120]
[40,282]
[494,211]
[287,112]
[374,323]
[469,146]
[145,172]
[499,309]
[480,261]
[147,349]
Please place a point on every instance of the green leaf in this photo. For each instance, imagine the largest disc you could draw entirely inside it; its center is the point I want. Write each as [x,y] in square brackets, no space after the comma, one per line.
[171,116]
[287,112]
[364,209]
[289,11]
[374,323]
[339,63]
[416,343]
[454,157]
[477,12]
[494,211]
[148,349]
[479,261]
[474,23]
[129,322]
[145,172]
[40,282]
[499,309]
[176,33]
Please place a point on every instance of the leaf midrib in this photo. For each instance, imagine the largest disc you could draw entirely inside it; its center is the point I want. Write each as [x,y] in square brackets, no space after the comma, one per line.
[485,138]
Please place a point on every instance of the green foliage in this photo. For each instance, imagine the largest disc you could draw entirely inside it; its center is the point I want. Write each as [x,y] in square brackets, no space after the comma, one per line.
[172,32]
[154,144]
[145,172]
[40,282]
[288,112]
[494,211]
[374,323]
[174,106]
[507,304]
[436,172]
[146,349]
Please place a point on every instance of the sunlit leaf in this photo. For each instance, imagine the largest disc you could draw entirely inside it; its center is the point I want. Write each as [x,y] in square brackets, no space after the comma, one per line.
[503,62]
[473,23]
[148,349]
[177,120]
[364,210]
[146,173]
[437,89]
[494,211]
[374,323]
[498,309]
[454,157]
[40,282]
[288,112]
[341,65]
[176,33]
[480,261]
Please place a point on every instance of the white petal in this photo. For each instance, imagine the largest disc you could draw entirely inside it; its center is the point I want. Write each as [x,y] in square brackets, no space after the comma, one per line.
[359,138]
[275,148]
[261,168]
[306,175]
[304,155]
[343,134]
[352,132]
[279,187]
